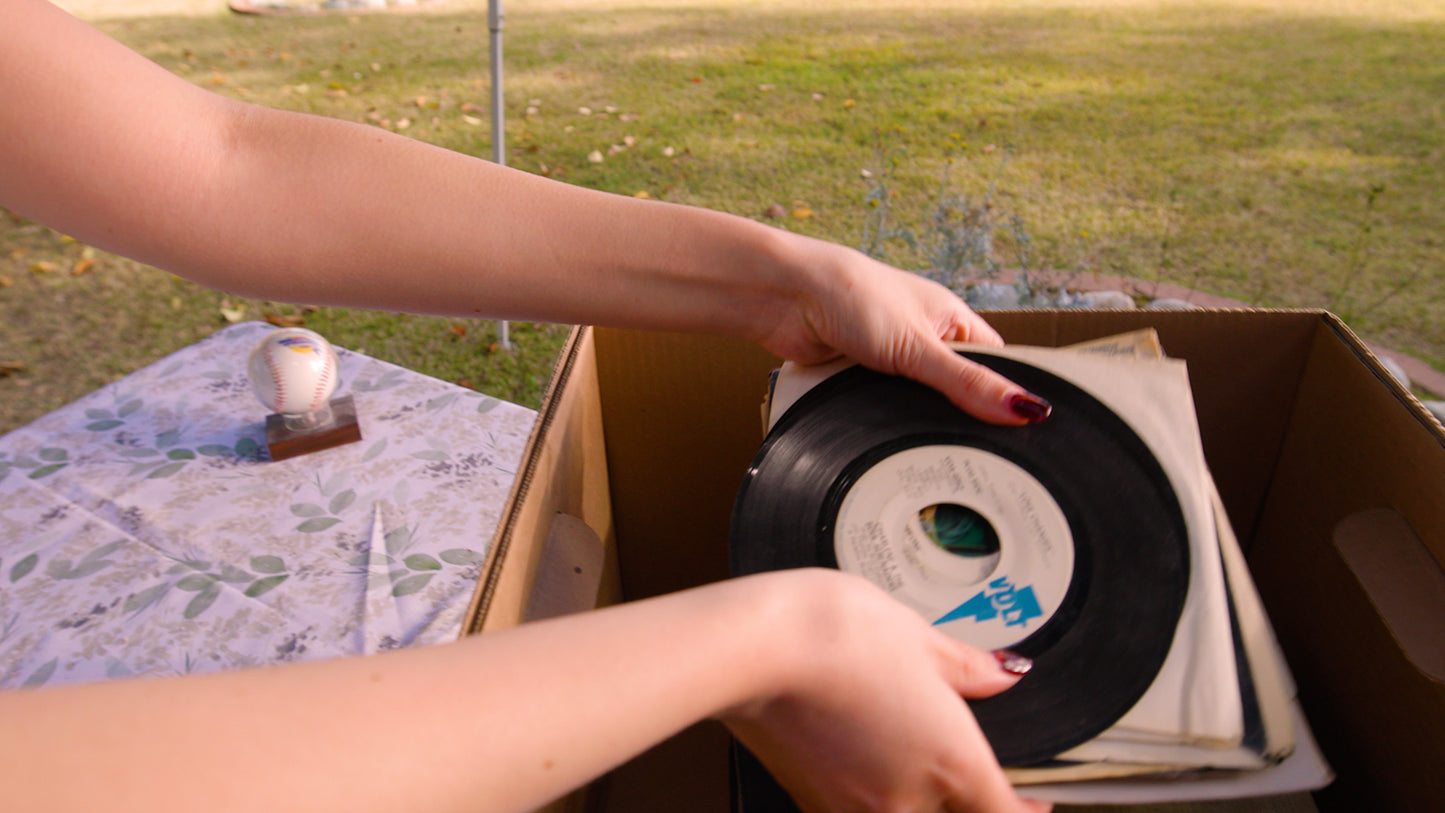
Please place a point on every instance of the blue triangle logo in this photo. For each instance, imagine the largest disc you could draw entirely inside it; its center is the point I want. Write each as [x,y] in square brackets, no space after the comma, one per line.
[1018,606]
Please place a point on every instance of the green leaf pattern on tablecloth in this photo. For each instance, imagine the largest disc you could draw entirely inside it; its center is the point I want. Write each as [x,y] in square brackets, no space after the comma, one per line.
[338,499]
[144,531]
[101,419]
[23,567]
[402,573]
[50,460]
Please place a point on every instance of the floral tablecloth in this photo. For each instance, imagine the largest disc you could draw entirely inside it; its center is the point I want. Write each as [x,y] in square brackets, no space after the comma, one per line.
[144,531]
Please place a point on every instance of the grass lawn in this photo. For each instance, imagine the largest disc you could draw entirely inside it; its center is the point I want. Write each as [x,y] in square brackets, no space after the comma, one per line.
[1282,152]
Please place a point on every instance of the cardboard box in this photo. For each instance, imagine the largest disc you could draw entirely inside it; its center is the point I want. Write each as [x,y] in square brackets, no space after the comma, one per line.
[1333,476]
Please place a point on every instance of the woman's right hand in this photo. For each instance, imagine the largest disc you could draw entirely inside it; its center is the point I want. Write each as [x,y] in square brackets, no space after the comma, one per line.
[870,715]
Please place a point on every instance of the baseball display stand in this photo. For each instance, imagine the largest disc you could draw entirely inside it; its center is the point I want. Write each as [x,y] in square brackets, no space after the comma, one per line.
[293,371]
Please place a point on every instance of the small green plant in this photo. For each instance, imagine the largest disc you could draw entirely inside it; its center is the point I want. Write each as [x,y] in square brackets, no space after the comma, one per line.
[1357,264]
[966,242]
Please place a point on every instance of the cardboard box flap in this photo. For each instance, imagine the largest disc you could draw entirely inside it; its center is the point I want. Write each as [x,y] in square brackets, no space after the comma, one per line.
[688,420]
[1402,580]
[564,472]
[1357,443]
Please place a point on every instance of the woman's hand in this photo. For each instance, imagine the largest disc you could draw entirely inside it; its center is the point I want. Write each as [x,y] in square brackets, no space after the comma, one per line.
[894,322]
[871,717]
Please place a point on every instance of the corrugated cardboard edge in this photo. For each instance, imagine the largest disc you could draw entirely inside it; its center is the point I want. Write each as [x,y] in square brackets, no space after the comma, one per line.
[497,553]
[1372,361]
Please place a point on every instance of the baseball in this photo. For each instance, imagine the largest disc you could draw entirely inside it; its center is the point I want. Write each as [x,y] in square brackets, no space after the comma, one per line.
[293,371]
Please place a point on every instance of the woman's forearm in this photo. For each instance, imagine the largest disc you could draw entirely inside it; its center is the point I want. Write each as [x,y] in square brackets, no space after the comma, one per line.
[479,239]
[500,722]
[122,154]
[851,698]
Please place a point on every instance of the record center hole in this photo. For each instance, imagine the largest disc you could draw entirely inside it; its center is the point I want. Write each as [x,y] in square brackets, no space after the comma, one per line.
[960,530]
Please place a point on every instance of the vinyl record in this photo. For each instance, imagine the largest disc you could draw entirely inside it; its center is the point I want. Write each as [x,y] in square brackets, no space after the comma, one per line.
[1061,540]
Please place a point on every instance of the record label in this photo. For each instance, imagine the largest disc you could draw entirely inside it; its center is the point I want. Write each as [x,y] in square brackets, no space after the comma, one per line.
[968,539]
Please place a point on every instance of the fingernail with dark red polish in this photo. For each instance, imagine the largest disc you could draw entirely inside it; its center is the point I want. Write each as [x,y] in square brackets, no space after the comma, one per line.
[1012,662]
[1030,407]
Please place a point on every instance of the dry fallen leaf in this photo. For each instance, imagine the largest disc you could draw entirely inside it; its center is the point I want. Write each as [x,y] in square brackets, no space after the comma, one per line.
[5,281]
[44,267]
[642,193]
[285,320]
[595,157]
[81,266]
[802,213]
[472,120]
[232,315]
[460,330]
[776,210]
[8,368]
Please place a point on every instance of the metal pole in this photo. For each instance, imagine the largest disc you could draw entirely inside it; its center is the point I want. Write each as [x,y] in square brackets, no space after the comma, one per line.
[499,146]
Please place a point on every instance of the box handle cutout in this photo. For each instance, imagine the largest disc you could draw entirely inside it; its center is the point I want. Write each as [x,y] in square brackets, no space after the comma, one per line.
[1403,581]
[569,574]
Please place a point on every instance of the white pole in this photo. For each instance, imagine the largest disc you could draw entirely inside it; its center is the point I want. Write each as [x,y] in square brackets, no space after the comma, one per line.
[499,147]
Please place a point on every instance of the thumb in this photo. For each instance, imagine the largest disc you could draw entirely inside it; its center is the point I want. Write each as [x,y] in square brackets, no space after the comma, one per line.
[977,673]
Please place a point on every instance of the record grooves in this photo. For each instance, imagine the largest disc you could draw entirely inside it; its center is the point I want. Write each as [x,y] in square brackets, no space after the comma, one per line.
[1096,649]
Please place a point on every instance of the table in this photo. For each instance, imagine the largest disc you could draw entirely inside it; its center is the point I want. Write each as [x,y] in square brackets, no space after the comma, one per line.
[144,531]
